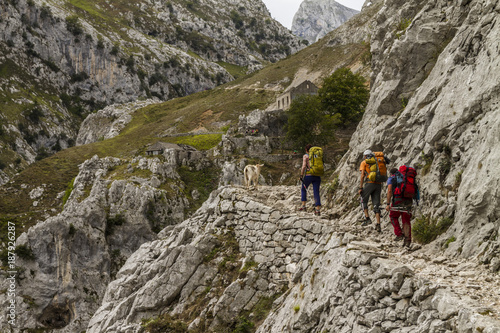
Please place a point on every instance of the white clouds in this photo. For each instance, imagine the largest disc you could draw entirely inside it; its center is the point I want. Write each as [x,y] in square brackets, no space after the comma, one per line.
[284,10]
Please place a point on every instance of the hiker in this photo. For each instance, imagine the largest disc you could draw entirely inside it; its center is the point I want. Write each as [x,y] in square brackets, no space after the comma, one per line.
[373,168]
[311,172]
[401,190]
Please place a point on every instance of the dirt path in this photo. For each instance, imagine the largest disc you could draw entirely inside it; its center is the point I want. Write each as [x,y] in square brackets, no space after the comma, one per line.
[468,278]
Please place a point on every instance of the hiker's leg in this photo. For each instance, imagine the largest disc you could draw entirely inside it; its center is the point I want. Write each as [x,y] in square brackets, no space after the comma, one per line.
[316,182]
[376,200]
[406,225]
[394,216]
[366,195]
[305,184]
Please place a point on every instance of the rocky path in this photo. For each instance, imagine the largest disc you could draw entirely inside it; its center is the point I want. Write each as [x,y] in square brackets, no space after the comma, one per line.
[466,277]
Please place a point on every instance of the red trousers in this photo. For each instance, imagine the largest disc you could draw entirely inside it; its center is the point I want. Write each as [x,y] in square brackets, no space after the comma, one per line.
[406,217]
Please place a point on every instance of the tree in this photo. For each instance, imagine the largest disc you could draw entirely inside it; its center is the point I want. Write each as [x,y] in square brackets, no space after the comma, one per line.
[344,93]
[308,123]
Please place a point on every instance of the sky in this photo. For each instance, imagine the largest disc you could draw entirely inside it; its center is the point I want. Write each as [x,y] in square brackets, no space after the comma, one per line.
[284,10]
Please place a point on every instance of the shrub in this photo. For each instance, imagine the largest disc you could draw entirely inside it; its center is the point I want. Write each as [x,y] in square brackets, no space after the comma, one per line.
[449,241]
[164,323]
[345,94]
[72,230]
[24,252]
[444,168]
[113,221]
[116,48]
[307,123]
[68,191]
[73,25]
[428,158]
[79,77]
[403,24]
[425,229]
[237,20]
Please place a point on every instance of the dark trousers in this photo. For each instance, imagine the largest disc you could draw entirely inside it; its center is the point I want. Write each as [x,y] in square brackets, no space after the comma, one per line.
[372,190]
[315,181]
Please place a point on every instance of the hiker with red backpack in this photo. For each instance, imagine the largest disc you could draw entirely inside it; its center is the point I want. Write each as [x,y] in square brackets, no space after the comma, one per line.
[374,171]
[402,189]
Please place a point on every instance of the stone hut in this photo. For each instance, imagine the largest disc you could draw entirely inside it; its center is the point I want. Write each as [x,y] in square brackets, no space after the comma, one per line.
[305,88]
[156,149]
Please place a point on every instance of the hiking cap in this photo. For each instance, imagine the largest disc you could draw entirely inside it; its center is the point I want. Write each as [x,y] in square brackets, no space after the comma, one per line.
[367,152]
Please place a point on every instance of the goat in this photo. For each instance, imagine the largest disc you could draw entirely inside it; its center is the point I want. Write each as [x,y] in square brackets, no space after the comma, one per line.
[252,173]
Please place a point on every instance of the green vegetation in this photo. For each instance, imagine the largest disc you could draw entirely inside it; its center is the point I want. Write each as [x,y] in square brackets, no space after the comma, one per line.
[112,222]
[163,324]
[307,123]
[234,70]
[296,308]
[341,100]
[444,168]
[425,229]
[403,24]
[428,159]
[204,181]
[68,191]
[73,25]
[345,94]
[449,241]
[458,180]
[200,142]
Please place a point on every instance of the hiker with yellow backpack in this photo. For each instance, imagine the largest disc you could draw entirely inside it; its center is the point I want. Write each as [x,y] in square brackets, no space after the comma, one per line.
[310,173]
[373,174]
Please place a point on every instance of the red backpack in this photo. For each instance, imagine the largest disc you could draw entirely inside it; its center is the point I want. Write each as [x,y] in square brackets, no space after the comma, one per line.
[405,187]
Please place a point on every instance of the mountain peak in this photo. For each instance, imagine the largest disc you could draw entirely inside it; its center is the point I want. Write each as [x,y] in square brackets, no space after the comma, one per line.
[316,18]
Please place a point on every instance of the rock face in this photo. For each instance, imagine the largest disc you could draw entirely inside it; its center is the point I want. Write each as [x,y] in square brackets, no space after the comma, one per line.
[108,122]
[316,18]
[114,207]
[333,282]
[82,58]
[434,104]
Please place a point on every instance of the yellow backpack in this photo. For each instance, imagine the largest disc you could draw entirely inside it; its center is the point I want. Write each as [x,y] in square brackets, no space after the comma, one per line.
[316,162]
[378,168]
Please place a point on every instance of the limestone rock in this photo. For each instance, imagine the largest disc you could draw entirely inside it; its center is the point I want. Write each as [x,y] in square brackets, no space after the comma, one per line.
[316,18]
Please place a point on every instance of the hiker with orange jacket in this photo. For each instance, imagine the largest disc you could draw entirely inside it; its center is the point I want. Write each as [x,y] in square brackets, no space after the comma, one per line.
[373,174]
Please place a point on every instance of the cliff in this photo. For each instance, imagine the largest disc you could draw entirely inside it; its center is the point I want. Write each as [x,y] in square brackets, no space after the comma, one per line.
[61,60]
[316,18]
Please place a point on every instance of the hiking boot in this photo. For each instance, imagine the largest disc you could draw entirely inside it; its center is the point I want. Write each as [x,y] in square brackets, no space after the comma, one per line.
[399,238]
[378,228]
[368,221]
[317,212]
[302,209]
[407,243]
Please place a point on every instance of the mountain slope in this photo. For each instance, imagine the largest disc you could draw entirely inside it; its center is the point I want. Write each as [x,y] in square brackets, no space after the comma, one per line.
[60,60]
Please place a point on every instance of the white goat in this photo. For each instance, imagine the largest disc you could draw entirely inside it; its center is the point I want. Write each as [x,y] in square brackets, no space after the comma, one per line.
[252,174]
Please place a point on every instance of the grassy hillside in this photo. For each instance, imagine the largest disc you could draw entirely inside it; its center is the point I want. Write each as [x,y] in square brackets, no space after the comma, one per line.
[200,110]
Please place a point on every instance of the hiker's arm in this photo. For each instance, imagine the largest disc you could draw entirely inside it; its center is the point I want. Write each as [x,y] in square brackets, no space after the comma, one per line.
[361,178]
[304,166]
[389,197]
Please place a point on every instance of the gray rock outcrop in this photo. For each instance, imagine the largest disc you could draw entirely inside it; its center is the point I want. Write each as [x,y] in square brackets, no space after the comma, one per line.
[316,18]
[80,59]
[333,281]
[434,105]
[111,208]
[108,122]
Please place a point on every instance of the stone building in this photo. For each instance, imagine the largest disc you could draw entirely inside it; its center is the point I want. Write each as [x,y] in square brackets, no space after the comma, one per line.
[305,88]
